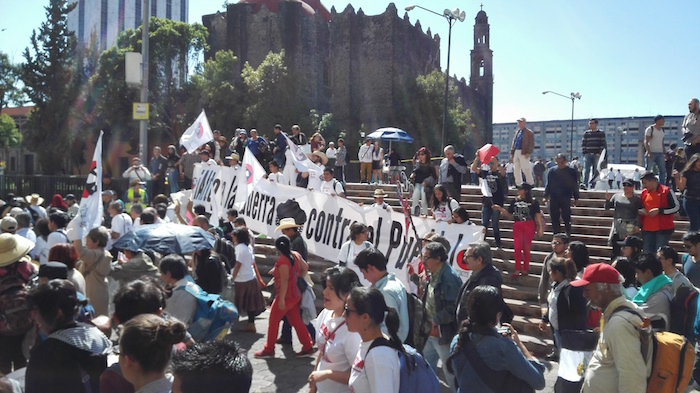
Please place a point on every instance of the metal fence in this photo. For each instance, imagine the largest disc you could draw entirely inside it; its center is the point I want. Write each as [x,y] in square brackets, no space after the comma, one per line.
[47,186]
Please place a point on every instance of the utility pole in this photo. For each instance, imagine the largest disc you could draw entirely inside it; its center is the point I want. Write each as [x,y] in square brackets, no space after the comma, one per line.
[143,130]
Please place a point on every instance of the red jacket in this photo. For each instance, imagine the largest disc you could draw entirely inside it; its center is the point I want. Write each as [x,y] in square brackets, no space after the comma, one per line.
[665,200]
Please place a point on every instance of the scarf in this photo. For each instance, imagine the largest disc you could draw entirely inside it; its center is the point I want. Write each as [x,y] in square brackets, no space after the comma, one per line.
[650,288]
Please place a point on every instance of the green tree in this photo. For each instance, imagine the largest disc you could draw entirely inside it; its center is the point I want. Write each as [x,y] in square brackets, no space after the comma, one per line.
[219,90]
[51,81]
[9,134]
[172,45]
[427,111]
[10,92]
[273,95]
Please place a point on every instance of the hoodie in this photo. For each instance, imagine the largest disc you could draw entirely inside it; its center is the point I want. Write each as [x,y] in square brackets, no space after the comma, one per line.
[72,357]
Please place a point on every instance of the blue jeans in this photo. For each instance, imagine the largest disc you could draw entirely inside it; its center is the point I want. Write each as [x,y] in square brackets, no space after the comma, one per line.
[173,180]
[590,161]
[434,351]
[654,240]
[488,215]
[692,209]
[658,159]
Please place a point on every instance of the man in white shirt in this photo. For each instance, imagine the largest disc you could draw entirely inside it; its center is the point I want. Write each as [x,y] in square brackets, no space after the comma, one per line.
[365,157]
[330,185]
[510,175]
[654,145]
[315,173]
[233,161]
[379,203]
[206,159]
[35,201]
[121,223]
[136,171]
[57,225]
[275,175]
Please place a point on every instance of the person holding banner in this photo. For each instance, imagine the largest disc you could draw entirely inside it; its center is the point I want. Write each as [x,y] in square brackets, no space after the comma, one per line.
[330,185]
[275,175]
[443,204]
[349,250]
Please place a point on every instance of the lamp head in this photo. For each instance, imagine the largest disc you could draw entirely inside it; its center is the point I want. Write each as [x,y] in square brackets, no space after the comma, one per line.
[447,13]
[410,8]
[576,95]
[462,16]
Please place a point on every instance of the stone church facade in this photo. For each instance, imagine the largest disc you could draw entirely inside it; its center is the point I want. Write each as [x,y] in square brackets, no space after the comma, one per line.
[355,66]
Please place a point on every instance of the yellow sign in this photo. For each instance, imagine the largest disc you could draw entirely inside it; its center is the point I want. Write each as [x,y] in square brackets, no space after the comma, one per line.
[140,111]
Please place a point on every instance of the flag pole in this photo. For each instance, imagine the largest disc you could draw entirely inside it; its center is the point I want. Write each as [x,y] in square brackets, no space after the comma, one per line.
[406,212]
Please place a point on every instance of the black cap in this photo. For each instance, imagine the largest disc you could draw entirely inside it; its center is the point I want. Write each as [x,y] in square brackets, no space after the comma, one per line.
[70,196]
[648,175]
[205,151]
[53,270]
[632,241]
[628,183]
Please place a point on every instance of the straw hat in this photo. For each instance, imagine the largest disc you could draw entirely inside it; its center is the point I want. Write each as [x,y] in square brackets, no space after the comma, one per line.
[379,193]
[287,223]
[324,158]
[12,248]
[34,199]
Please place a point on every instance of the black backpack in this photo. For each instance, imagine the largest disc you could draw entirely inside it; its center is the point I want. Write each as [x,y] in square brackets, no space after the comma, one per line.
[684,311]
[418,325]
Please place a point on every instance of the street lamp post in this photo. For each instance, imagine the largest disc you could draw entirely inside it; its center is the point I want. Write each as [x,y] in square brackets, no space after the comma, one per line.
[572,97]
[451,17]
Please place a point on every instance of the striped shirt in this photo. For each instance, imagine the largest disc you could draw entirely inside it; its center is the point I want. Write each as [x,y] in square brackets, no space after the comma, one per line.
[593,142]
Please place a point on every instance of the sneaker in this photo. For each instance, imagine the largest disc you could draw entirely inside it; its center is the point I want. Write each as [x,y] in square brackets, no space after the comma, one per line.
[262,354]
[517,274]
[307,352]
[283,341]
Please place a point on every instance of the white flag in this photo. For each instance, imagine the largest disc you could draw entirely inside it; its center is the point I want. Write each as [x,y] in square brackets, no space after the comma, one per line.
[248,176]
[197,134]
[299,158]
[91,210]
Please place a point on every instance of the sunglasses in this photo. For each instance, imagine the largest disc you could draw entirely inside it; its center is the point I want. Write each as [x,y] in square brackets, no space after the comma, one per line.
[348,311]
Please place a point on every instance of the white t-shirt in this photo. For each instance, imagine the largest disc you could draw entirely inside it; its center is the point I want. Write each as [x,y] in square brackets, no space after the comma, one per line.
[121,224]
[339,348]
[332,187]
[619,177]
[330,152]
[509,167]
[276,177]
[315,178]
[611,175]
[656,143]
[377,373]
[347,254]
[383,206]
[54,238]
[444,211]
[245,258]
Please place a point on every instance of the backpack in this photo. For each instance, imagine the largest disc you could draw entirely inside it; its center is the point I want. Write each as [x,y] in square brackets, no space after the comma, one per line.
[335,181]
[672,358]
[684,308]
[14,313]
[418,325]
[415,375]
[213,317]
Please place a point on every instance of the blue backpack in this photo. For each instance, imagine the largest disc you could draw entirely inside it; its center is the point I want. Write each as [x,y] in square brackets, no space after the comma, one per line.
[416,374]
[213,315]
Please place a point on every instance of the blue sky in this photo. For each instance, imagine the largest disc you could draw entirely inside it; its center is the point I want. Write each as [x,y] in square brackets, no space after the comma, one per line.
[625,58]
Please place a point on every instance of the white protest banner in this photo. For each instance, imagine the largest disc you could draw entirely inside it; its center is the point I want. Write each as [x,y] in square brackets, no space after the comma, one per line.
[299,157]
[229,186]
[206,189]
[328,219]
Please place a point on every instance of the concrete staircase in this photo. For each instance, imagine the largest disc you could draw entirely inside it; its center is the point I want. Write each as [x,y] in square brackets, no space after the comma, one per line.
[590,224]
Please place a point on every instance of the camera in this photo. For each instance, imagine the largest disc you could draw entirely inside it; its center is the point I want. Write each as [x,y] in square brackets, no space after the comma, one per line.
[503,330]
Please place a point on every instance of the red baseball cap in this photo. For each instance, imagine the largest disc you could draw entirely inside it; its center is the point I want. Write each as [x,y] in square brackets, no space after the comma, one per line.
[599,272]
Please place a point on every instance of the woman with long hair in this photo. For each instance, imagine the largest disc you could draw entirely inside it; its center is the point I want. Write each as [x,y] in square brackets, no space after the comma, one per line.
[97,263]
[688,181]
[337,346]
[288,268]
[495,352]
[248,294]
[41,249]
[527,216]
[424,177]
[626,268]
[359,233]
[442,204]
[209,270]
[65,253]
[376,371]
[578,253]
[317,142]
[145,348]
[73,355]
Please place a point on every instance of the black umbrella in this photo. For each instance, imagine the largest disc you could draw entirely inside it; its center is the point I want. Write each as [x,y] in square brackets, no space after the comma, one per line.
[166,238]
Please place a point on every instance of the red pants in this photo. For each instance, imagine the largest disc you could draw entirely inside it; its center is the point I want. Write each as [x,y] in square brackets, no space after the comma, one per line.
[294,317]
[523,233]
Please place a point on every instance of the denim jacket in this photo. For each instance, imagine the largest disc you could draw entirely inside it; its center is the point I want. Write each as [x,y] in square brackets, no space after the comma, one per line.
[446,293]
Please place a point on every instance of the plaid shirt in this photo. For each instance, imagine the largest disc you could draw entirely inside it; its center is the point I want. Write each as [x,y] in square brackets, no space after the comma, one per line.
[187,162]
